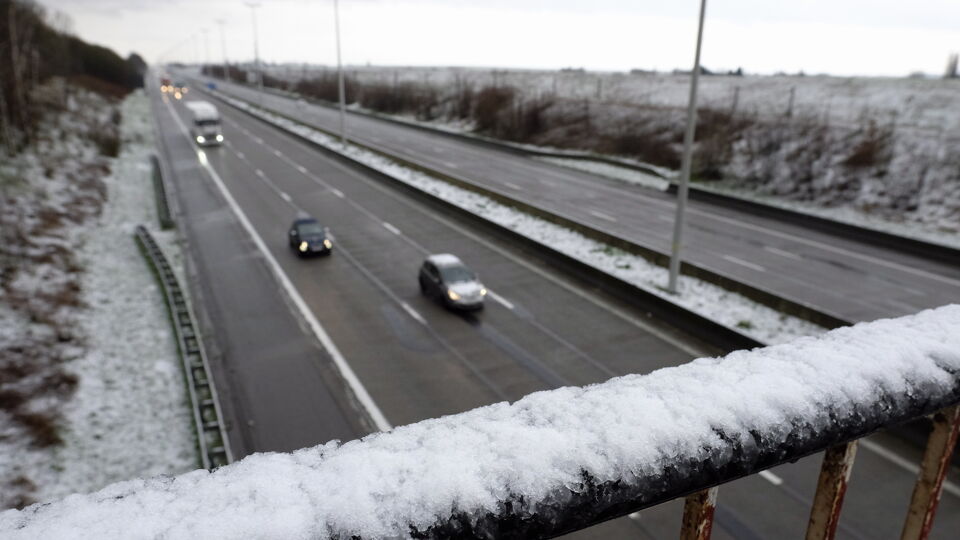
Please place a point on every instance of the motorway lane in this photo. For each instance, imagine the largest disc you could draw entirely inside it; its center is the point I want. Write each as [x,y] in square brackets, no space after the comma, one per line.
[242,330]
[853,280]
[375,248]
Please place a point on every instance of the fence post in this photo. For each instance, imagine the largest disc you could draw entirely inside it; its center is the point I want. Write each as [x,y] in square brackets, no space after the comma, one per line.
[936,461]
[831,487]
[698,515]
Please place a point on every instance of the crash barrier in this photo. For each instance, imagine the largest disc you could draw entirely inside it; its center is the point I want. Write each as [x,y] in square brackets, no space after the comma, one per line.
[212,439]
[160,192]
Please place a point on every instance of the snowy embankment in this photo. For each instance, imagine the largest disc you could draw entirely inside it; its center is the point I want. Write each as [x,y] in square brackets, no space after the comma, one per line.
[731,309]
[86,343]
[544,450]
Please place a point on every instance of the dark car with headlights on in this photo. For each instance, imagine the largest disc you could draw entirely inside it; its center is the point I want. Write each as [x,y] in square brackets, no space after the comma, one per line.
[447,278]
[308,237]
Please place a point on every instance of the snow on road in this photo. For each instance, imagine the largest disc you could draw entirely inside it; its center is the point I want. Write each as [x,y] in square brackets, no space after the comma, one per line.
[536,449]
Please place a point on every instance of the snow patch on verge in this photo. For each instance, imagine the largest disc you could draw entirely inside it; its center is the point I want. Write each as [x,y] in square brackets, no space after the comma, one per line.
[535,448]
[731,309]
[85,312]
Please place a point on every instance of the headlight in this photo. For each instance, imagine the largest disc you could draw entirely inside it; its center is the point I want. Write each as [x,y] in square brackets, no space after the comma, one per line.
[200,139]
[177,95]
[304,246]
[327,243]
[219,138]
[483,292]
[453,296]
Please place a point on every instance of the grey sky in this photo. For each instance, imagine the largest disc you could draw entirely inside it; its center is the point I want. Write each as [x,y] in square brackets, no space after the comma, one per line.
[846,37]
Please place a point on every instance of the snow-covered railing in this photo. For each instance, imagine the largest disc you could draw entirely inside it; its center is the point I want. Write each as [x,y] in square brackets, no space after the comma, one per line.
[564,459]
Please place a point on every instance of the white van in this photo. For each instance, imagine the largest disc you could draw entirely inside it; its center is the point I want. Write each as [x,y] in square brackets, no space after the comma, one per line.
[205,127]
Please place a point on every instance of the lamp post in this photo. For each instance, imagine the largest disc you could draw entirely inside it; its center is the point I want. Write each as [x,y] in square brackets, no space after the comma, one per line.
[206,48]
[343,104]
[223,49]
[256,49]
[687,161]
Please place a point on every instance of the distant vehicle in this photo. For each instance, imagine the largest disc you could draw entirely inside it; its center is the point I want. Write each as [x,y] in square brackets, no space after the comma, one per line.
[179,89]
[165,85]
[205,127]
[211,85]
[308,237]
[445,277]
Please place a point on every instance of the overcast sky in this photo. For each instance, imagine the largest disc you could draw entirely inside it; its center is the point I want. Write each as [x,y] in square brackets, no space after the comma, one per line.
[842,37]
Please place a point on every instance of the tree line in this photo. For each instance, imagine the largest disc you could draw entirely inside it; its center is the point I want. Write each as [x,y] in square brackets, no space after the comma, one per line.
[36,45]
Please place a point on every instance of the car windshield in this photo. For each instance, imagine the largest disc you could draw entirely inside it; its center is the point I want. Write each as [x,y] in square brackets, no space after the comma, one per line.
[207,122]
[310,229]
[454,274]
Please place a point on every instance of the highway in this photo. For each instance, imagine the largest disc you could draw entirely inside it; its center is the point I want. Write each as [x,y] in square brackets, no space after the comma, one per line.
[852,280]
[413,359]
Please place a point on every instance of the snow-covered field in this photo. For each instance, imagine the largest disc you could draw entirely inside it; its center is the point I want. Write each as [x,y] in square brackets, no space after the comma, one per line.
[736,311]
[84,335]
[535,451]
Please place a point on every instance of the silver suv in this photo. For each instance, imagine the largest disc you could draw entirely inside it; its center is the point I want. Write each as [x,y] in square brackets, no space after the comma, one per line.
[447,278]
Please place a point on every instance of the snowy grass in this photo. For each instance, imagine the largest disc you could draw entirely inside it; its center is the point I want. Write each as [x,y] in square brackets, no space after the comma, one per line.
[98,358]
[537,450]
[731,309]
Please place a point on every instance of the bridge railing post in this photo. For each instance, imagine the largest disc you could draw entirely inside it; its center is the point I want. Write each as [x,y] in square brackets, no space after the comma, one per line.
[698,515]
[933,470]
[831,487]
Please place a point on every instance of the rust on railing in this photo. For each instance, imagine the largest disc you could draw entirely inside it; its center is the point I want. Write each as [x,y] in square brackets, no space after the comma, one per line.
[933,470]
[698,515]
[831,487]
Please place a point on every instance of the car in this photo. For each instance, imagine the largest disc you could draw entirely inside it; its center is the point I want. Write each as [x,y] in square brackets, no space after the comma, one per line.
[308,237]
[447,278]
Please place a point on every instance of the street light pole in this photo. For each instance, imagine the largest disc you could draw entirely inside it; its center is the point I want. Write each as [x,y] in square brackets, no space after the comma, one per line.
[223,48]
[343,105]
[687,161]
[206,48]
[256,49]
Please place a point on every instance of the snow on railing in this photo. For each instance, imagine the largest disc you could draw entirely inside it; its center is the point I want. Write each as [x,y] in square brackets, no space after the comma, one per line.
[557,460]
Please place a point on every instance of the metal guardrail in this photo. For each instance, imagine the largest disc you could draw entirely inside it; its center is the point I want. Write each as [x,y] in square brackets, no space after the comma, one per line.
[163,206]
[212,439]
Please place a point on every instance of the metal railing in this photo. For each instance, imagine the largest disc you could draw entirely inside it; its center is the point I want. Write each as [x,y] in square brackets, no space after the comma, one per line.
[160,192]
[212,439]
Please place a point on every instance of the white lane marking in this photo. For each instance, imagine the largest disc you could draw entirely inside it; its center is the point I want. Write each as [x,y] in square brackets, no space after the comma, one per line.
[337,192]
[413,313]
[828,247]
[904,464]
[277,153]
[260,174]
[286,197]
[513,186]
[662,217]
[782,253]
[770,477]
[501,300]
[360,391]
[742,262]
[635,516]
[451,165]
[302,169]
[258,139]
[240,155]
[391,228]
[601,215]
